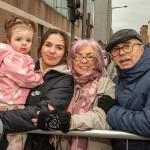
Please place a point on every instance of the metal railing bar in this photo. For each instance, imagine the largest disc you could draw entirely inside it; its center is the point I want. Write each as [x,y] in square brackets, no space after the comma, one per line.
[127,144]
[95,133]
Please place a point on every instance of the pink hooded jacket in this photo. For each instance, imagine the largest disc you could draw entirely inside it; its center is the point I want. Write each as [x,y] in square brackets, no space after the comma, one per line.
[17,75]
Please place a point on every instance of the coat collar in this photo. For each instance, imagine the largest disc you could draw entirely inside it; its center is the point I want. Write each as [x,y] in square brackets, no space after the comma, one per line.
[62,68]
[141,67]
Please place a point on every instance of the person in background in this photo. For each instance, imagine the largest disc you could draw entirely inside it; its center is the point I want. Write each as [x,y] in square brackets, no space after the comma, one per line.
[4,143]
[132,111]
[86,110]
[17,74]
[56,89]
[106,58]
[1,129]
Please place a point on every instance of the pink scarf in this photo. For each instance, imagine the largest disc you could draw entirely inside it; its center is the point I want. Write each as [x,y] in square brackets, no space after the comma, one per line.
[85,102]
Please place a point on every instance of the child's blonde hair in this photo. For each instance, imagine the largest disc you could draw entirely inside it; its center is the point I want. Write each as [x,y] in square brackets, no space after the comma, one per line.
[14,22]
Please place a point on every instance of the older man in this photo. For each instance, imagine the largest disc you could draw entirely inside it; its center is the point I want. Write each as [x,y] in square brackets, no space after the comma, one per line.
[132,112]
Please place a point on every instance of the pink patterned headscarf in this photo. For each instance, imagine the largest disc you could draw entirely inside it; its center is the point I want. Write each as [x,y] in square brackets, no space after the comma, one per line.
[88,82]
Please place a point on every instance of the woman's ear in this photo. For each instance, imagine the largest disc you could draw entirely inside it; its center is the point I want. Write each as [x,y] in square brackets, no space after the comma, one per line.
[110,57]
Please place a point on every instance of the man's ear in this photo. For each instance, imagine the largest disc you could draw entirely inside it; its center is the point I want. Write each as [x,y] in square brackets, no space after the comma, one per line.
[142,48]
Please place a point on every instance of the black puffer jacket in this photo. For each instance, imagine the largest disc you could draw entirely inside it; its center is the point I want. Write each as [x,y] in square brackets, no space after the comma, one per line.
[57,90]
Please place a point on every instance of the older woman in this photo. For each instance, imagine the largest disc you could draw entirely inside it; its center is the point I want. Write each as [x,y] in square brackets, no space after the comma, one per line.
[57,89]
[92,88]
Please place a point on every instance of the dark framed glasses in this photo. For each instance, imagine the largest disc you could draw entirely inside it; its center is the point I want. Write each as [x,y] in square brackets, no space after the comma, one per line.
[127,48]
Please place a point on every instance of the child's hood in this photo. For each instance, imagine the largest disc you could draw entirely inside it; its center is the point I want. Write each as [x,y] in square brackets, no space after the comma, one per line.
[5,50]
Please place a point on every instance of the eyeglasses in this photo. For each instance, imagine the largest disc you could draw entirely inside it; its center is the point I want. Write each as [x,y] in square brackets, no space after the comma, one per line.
[80,58]
[127,48]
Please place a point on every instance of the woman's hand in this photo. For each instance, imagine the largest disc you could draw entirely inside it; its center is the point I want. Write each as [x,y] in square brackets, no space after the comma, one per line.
[34,120]
[53,120]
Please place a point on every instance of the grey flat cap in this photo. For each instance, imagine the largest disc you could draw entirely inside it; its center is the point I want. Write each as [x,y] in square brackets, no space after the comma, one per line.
[121,36]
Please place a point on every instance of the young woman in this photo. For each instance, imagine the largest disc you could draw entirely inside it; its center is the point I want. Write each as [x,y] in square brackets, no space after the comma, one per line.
[57,89]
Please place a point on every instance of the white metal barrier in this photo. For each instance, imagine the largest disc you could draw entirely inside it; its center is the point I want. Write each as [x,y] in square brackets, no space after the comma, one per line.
[95,133]
[110,134]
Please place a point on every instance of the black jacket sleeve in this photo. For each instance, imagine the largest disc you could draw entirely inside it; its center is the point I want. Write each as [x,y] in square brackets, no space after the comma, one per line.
[18,120]
[58,95]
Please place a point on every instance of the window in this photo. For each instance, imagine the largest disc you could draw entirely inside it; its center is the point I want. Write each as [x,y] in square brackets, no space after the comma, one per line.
[59,5]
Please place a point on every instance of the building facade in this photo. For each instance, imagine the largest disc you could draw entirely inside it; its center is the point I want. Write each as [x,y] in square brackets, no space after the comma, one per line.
[54,14]
[46,13]
[148,32]
[102,21]
[144,34]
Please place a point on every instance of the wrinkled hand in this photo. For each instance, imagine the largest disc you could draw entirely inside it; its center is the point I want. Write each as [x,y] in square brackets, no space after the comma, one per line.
[106,102]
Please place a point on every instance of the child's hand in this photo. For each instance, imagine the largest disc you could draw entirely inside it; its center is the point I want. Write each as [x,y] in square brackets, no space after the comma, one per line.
[39,72]
[3,109]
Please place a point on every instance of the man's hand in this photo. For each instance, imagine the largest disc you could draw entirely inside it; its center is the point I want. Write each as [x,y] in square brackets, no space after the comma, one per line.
[106,102]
